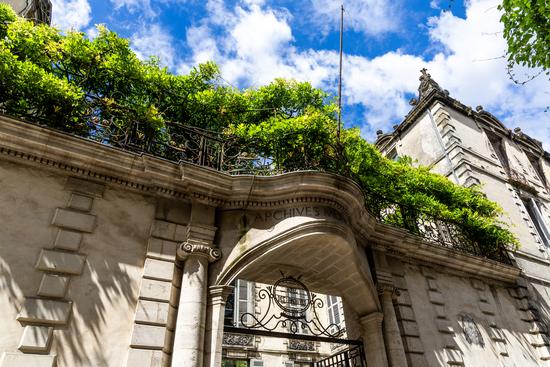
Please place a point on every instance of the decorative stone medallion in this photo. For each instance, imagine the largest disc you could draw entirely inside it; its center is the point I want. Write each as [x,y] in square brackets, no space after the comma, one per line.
[471,330]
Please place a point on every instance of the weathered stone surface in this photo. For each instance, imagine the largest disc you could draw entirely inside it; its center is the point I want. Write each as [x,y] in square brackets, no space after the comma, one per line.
[36,339]
[60,262]
[158,269]
[68,240]
[84,186]
[444,326]
[27,360]
[162,249]
[487,308]
[53,286]
[436,298]
[409,328]
[404,299]
[73,219]
[146,358]
[151,312]
[454,357]
[432,284]
[413,344]
[80,202]
[405,313]
[155,290]
[148,336]
[164,230]
[45,311]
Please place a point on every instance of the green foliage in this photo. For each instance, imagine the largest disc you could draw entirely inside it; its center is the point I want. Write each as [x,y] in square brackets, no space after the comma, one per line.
[72,82]
[527,32]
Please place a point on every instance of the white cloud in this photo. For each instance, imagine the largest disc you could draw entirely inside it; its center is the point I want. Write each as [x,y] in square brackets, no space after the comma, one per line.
[71,14]
[135,6]
[153,40]
[369,16]
[256,45]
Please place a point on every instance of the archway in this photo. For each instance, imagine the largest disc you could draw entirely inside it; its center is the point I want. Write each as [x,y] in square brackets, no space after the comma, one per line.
[325,257]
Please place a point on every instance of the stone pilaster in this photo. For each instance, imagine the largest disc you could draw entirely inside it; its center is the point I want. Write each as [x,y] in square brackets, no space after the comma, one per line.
[392,335]
[195,253]
[217,297]
[374,339]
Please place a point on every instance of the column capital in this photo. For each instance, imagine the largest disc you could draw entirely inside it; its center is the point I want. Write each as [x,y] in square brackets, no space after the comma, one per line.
[187,249]
[373,319]
[385,288]
[219,293]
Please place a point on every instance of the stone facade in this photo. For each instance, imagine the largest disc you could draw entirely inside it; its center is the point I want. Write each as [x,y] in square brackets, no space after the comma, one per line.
[111,258]
[37,10]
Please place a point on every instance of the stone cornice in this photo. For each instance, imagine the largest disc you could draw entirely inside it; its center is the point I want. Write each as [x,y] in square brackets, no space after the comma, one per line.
[65,154]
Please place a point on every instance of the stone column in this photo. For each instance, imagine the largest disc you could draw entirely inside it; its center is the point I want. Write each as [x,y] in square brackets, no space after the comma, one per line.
[188,347]
[374,340]
[214,329]
[392,336]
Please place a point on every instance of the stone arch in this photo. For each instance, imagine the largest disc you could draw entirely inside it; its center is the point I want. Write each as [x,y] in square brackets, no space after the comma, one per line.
[324,253]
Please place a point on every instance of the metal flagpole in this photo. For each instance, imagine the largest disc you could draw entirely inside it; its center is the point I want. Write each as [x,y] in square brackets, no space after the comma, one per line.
[340,75]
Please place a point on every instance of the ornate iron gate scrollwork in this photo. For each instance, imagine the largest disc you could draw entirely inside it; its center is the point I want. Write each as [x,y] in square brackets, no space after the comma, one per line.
[290,306]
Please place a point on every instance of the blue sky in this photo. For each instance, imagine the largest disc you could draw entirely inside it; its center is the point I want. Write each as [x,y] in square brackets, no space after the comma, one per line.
[386,43]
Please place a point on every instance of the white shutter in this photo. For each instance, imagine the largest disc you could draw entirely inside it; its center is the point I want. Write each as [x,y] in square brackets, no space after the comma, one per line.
[256,363]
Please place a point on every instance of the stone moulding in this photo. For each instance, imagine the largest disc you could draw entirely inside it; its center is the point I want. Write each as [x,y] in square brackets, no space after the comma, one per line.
[24,143]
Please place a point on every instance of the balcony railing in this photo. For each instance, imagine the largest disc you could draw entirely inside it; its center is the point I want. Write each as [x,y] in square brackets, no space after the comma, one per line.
[235,156]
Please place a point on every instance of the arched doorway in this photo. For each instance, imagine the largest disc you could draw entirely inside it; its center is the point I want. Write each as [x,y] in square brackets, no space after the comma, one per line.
[311,257]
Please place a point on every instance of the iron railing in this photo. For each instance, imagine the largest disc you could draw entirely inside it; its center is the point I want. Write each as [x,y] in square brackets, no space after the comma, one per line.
[351,357]
[233,155]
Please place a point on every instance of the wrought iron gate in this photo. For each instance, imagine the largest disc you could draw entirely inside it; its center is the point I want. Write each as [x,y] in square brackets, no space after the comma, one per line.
[351,357]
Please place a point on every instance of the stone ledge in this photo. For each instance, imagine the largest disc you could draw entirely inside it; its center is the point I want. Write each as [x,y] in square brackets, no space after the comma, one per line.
[60,262]
[36,339]
[53,286]
[27,360]
[72,219]
[43,311]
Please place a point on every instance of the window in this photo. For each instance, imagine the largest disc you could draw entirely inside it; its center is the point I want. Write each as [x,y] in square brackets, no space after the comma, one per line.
[239,303]
[334,316]
[538,169]
[498,146]
[297,299]
[536,217]
[392,154]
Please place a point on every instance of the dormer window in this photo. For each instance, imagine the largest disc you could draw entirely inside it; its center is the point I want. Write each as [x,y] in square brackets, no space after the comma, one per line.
[497,143]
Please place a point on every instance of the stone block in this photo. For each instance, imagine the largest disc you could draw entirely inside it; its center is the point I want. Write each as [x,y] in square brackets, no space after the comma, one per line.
[478,284]
[436,298]
[148,336]
[60,262]
[405,313]
[454,357]
[172,315]
[432,284]
[68,240]
[496,334]
[483,297]
[168,341]
[73,219]
[80,202]
[145,358]
[152,312]
[486,308]
[538,327]
[417,360]
[539,340]
[155,290]
[399,282]
[85,187]
[27,360]
[53,286]
[158,269]
[162,249]
[404,299]
[413,344]
[45,311]
[36,339]
[502,348]
[409,328]
[180,233]
[440,311]
[164,230]
[444,326]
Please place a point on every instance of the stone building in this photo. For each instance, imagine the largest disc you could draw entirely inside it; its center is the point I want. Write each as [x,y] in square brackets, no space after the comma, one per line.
[110,257]
[38,10]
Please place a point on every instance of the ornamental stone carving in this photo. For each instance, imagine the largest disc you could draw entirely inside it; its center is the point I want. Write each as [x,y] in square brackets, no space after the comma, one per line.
[471,331]
[240,340]
[301,345]
[187,249]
